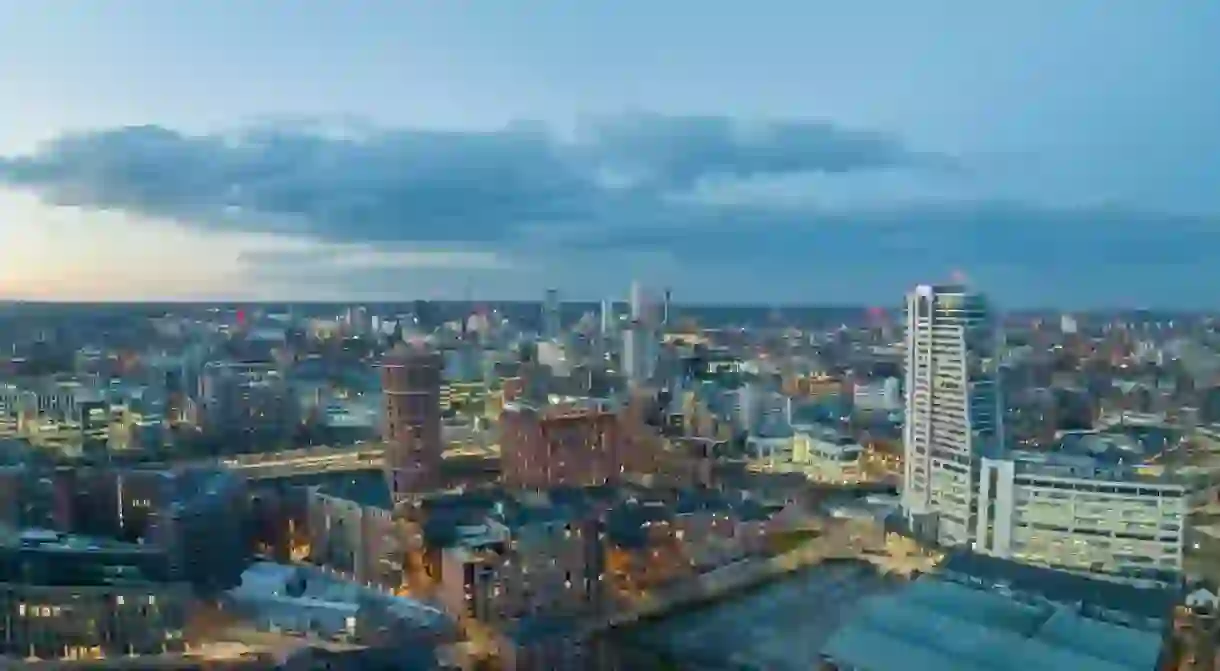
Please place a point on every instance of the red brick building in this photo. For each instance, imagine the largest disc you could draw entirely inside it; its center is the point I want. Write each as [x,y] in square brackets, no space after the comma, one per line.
[560,446]
[411,393]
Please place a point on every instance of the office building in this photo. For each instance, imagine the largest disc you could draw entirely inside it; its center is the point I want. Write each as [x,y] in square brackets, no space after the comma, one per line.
[550,315]
[878,395]
[953,413]
[246,404]
[753,407]
[640,342]
[411,389]
[356,321]
[607,317]
[1080,513]
[636,301]
[78,598]
[638,353]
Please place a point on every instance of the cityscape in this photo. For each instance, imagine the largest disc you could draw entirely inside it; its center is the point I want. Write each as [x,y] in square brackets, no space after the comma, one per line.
[622,485]
[609,336]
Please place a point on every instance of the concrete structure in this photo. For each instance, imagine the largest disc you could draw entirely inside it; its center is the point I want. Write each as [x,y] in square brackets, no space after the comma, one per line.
[1076,512]
[953,412]
[411,385]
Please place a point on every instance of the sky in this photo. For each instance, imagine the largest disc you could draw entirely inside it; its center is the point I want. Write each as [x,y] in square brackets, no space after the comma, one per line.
[1058,154]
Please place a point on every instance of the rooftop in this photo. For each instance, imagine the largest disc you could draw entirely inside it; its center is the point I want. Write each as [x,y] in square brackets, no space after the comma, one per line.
[279,585]
[367,488]
[40,557]
[1154,603]
[1122,444]
[946,626]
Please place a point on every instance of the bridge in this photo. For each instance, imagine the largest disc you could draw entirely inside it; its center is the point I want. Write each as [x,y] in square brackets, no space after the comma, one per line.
[329,459]
[307,461]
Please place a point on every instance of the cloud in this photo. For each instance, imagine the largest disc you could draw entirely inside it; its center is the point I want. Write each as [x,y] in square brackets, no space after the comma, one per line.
[364,257]
[806,211]
[421,185]
[678,152]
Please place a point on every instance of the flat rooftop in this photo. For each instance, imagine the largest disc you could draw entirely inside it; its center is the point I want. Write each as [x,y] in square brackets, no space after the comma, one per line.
[934,625]
[780,627]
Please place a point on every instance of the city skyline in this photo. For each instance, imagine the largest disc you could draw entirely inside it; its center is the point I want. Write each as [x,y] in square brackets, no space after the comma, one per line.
[1057,155]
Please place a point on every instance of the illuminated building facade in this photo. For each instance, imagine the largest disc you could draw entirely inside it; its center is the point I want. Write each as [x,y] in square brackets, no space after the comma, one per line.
[952,405]
[554,447]
[1075,512]
[65,597]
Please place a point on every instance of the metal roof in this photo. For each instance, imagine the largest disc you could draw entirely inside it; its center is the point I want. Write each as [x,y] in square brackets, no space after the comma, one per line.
[937,625]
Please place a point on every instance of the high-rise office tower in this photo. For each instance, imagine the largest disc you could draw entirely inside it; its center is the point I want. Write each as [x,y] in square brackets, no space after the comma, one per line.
[411,391]
[639,340]
[953,413]
[550,315]
[637,300]
[607,317]
[665,309]
[635,355]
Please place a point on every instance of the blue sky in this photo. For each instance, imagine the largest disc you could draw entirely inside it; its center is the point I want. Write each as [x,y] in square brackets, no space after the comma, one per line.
[1057,153]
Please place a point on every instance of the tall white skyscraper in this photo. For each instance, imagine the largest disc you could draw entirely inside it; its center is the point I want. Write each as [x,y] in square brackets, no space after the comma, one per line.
[640,339]
[953,411]
[551,315]
[607,317]
[638,301]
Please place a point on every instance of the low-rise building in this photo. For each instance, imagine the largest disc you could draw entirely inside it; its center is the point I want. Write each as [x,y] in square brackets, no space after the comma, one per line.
[525,561]
[308,601]
[71,597]
[826,455]
[822,454]
[352,529]
[985,613]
